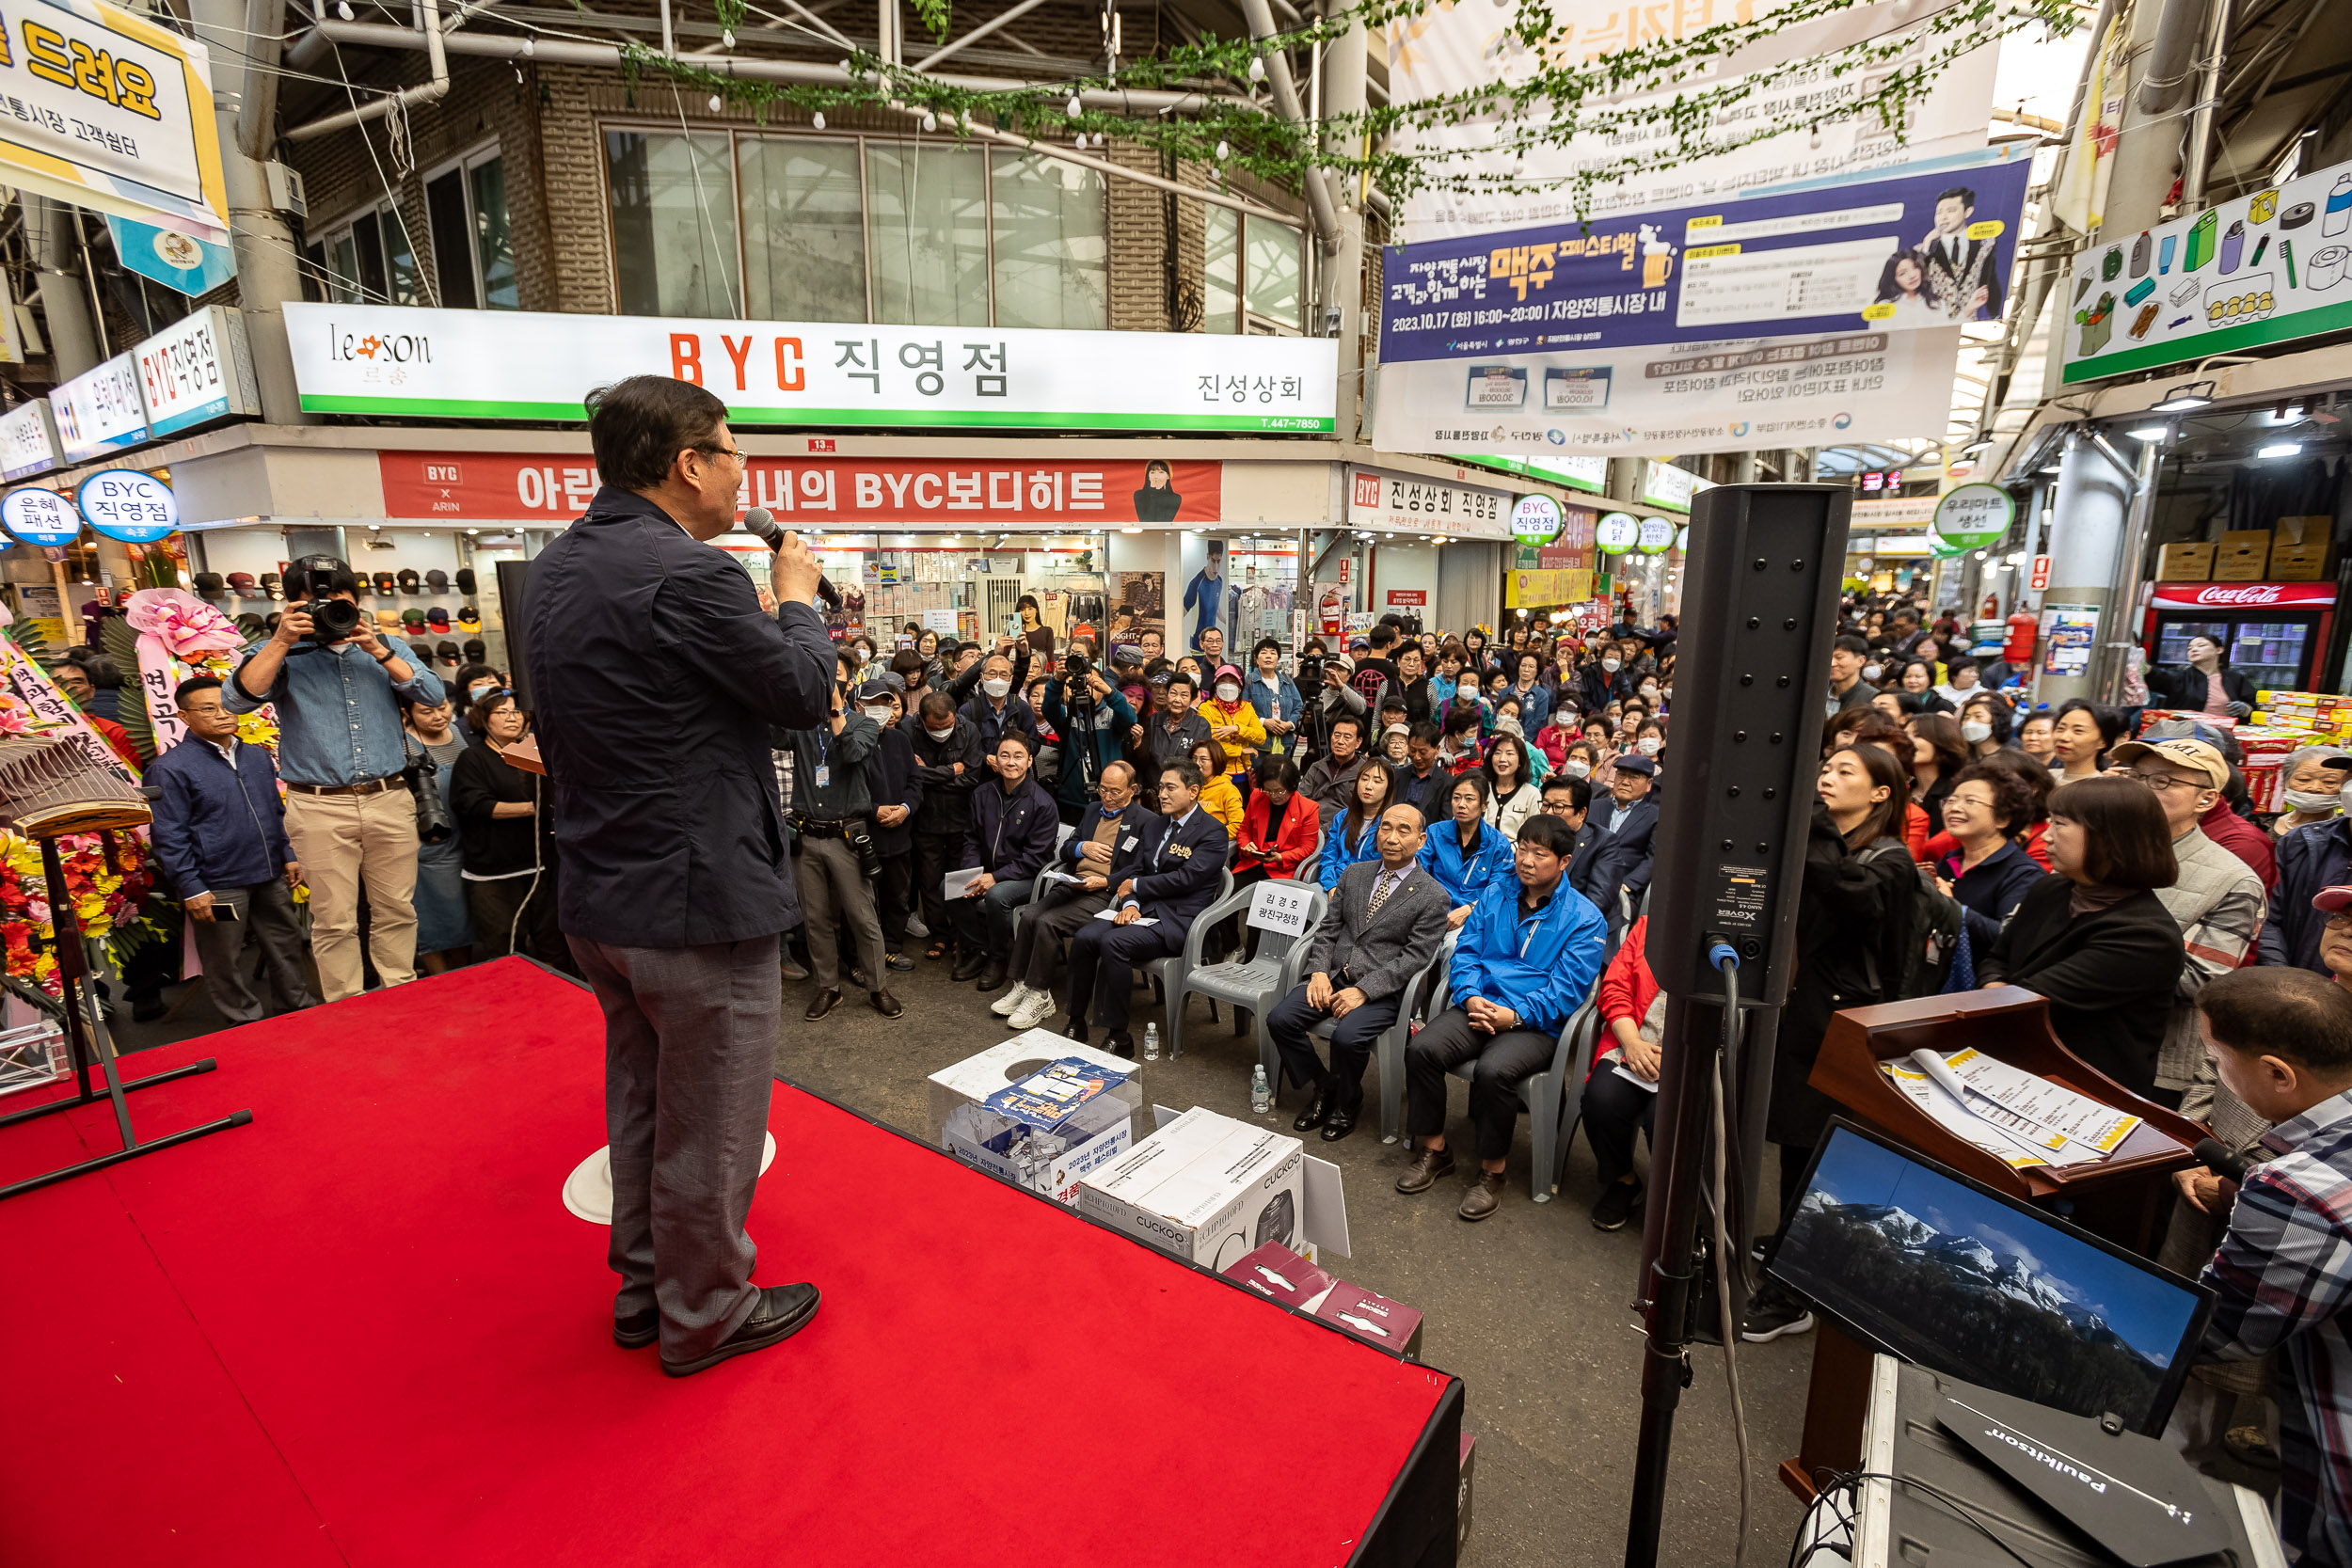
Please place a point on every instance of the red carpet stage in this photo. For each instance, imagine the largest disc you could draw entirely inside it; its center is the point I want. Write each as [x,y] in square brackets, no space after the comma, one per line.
[365,1330]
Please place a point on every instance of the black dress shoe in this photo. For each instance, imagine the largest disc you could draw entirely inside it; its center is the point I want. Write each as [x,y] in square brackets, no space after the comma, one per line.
[1076,1029]
[1338,1125]
[637,1330]
[1120,1042]
[993,977]
[826,1001]
[967,968]
[783,1311]
[1317,1108]
[885,1003]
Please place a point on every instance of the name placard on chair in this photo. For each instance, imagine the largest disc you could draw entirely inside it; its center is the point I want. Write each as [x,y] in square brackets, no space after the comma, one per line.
[1280,906]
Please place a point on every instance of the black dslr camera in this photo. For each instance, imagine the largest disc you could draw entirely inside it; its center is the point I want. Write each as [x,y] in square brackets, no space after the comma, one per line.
[331,619]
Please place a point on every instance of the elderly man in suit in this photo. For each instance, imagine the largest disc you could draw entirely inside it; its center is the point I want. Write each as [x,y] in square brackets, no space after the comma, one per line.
[656,675]
[1624,823]
[1098,856]
[1384,923]
[1174,877]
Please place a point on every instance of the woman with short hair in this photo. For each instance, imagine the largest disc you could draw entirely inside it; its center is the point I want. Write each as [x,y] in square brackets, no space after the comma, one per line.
[1986,873]
[2095,939]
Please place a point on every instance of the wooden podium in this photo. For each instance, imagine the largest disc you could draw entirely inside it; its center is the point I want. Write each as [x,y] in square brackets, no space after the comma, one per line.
[2122,1197]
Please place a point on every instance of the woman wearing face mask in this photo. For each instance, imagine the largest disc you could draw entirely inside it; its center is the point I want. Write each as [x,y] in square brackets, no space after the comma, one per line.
[1583,761]
[2080,738]
[1559,733]
[1983,725]
[2095,939]
[1650,739]
[864,648]
[1512,790]
[1874,666]
[1652,693]
[2312,789]
[1601,684]
[1234,726]
[471,683]
[1275,698]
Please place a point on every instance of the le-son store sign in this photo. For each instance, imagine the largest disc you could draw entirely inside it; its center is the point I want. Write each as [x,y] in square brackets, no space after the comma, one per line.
[516,365]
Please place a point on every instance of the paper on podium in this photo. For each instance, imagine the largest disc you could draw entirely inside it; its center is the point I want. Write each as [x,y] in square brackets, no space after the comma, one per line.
[1965,1124]
[2083,1121]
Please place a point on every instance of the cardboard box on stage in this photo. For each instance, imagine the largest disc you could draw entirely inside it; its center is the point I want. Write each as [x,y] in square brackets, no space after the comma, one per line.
[1373,1319]
[1205,1188]
[1278,1274]
[1040,1111]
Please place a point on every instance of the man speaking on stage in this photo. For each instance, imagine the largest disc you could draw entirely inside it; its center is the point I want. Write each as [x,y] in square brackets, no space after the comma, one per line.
[654,677]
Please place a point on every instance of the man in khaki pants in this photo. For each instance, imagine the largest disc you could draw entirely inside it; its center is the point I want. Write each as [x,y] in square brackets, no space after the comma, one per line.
[341,752]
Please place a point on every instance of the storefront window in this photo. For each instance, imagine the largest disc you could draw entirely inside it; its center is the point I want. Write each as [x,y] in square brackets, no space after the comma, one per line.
[803,228]
[494,237]
[673,222]
[1052,242]
[1255,274]
[930,218]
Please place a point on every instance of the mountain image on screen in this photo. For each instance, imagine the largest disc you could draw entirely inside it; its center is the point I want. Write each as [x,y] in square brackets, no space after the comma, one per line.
[1956,1303]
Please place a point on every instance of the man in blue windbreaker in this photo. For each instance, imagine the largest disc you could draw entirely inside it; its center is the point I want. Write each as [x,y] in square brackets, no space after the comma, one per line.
[1529,954]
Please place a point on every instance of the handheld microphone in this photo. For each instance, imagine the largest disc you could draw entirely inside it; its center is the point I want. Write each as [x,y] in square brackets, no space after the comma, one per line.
[2217,1159]
[762,523]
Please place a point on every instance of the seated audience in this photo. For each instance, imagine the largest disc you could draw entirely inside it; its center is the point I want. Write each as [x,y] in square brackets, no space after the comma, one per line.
[1633,1018]
[1014,824]
[1463,853]
[1098,855]
[1624,823]
[1350,837]
[1175,875]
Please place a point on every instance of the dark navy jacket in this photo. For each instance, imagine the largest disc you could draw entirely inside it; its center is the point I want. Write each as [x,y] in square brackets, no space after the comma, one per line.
[216,828]
[1012,837]
[1622,859]
[1137,825]
[993,724]
[654,677]
[890,780]
[2308,858]
[947,808]
[1179,867]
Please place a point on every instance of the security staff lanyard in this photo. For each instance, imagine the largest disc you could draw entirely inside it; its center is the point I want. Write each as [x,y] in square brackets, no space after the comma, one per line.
[824,751]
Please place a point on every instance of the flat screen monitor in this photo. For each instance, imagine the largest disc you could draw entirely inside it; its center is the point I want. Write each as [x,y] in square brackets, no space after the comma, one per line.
[1915,1260]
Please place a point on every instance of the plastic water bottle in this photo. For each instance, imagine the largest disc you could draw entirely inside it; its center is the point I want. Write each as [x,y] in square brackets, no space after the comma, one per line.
[1151,1043]
[1261,1096]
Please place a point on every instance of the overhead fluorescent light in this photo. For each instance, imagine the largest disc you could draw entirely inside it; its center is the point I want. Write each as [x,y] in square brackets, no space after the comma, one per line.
[2149,433]
[2284,449]
[2048,468]
[2188,395]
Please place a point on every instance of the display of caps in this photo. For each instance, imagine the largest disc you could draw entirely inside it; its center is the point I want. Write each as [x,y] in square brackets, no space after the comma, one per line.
[445,651]
[410,581]
[387,620]
[437,580]
[249,626]
[272,586]
[477,651]
[412,619]
[470,618]
[464,580]
[361,587]
[211,585]
[437,618]
[383,583]
[241,583]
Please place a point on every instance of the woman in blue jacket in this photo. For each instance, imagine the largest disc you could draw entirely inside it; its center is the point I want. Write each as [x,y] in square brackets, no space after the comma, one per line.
[1277,700]
[1463,853]
[1354,834]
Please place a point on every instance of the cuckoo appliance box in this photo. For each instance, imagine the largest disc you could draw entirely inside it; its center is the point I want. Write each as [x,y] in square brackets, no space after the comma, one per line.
[1205,1188]
[1040,1111]
[1276,1272]
[1375,1319]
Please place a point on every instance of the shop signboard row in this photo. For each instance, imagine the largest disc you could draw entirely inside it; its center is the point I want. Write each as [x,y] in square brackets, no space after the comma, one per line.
[191,374]
[416,362]
[826,493]
[1377,498]
[2267,267]
[121,503]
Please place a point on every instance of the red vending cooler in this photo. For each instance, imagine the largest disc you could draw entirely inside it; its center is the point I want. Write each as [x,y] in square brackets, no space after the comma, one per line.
[2276,632]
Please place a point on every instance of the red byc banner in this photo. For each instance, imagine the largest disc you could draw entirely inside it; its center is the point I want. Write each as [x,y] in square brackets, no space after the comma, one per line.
[825,492]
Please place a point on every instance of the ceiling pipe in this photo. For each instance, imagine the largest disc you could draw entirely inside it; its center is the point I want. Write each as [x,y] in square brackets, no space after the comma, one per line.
[509,46]
[2171,59]
[436,52]
[1319,206]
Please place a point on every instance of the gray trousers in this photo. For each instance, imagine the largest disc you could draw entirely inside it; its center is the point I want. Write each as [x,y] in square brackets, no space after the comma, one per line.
[690,1054]
[1062,915]
[268,909]
[834,892]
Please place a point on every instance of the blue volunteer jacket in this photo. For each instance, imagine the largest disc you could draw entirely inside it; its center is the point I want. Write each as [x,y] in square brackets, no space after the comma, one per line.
[1541,966]
[1464,877]
[1339,853]
[216,828]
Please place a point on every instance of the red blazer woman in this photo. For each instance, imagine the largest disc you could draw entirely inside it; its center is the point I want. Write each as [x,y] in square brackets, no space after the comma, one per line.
[1627,988]
[1296,840]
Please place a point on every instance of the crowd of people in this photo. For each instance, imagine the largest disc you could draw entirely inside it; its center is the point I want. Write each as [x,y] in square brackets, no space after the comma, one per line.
[1043,818]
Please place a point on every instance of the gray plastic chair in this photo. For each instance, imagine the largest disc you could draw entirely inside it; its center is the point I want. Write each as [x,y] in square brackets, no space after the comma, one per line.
[1168,975]
[1554,1098]
[1256,985]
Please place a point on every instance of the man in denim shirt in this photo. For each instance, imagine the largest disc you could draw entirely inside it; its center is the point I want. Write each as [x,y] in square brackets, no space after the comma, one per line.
[339,751]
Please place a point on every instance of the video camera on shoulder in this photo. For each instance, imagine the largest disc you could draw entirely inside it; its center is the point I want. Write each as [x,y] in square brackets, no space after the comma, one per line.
[331,619]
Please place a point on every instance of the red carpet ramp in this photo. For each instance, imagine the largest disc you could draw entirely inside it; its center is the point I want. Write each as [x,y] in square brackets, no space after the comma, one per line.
[364,1330]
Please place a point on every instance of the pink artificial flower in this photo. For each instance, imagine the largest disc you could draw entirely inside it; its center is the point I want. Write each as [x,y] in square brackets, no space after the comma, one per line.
[183,623]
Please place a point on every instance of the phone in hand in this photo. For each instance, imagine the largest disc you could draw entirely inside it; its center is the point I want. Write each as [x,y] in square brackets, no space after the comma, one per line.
[226,911]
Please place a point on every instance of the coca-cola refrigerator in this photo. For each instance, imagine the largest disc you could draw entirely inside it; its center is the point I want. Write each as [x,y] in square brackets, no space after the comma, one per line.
[2274,632]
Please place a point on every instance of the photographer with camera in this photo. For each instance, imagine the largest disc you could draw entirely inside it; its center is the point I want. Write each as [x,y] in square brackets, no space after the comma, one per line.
[338,685]
[832,810]
[1092,718]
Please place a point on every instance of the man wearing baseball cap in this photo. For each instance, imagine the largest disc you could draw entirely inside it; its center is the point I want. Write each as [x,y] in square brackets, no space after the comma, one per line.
[2217,899]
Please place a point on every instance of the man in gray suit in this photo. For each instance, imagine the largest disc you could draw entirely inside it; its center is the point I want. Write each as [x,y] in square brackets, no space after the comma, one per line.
[1384,923]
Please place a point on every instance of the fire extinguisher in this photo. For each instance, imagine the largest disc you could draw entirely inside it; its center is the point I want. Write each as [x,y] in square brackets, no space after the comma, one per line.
[1991,610]
[2018,649]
